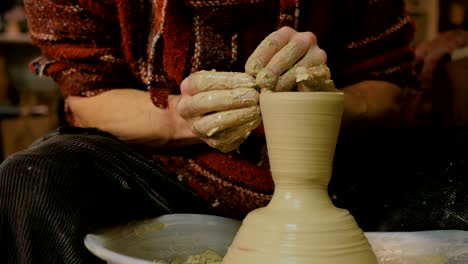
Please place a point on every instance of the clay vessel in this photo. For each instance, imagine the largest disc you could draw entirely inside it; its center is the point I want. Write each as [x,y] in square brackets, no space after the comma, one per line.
[300,225]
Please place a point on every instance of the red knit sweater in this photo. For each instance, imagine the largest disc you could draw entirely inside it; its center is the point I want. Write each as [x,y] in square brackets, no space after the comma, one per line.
[93,45]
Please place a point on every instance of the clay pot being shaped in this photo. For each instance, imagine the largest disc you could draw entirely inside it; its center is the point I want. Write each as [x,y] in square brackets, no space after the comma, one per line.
[300,225]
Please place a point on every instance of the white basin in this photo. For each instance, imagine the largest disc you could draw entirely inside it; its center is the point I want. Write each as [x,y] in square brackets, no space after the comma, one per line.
[165,237]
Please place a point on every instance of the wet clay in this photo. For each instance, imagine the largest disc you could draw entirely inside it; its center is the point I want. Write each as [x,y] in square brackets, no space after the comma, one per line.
[229,139]
[268,76]
[214,80]
[314,79]
[213,123]
[300,225]
[218,100]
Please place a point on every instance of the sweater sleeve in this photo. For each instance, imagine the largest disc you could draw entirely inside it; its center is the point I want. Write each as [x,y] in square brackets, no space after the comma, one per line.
[373,43]
[80,42]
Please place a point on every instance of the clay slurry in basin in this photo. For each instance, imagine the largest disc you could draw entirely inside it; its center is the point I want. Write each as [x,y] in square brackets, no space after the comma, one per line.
[207,257]
[300,225]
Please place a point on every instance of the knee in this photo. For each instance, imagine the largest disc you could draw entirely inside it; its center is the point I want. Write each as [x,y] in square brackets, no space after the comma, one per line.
[18,184]
[14,168]
[22,173]
[53,164]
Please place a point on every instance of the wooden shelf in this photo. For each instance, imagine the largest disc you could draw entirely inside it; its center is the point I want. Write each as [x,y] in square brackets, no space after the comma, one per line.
[21,38]
[16,111]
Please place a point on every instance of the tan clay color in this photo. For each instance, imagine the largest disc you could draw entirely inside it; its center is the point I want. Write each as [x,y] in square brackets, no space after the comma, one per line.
[214,80]
[218,100]
[287,81]
[314,79]
[300,225]
[213,123]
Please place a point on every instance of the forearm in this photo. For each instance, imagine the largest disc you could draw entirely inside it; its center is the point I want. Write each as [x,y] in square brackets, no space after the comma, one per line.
[371,104]
[131,116]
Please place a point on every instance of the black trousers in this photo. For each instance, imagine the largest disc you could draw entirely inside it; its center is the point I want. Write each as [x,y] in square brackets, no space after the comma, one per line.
[76,180]
[71,182]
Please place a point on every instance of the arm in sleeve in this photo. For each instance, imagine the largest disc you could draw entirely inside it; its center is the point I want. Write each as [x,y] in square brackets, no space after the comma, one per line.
[80,42]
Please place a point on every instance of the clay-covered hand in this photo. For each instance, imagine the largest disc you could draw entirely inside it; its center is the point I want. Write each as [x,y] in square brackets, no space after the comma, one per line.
[275,60]
[314,79]
[221,106]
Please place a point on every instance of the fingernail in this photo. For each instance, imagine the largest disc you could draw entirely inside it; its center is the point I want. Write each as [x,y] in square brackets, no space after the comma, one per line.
[184,86]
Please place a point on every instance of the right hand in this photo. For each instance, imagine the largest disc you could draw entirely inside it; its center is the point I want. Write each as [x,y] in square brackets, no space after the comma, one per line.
[277,58]
[222,107]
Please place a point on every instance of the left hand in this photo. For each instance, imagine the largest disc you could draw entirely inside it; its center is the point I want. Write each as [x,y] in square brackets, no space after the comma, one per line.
[222,107]
[275,61]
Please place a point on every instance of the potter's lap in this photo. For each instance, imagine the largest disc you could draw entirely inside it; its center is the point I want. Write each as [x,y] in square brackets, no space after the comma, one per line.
[64,153]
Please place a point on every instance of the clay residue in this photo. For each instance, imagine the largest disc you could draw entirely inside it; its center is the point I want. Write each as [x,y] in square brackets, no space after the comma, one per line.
[266,79]
[315,78]
[207,257]
[257,61]
[211,124]
[140,230]
[214,80]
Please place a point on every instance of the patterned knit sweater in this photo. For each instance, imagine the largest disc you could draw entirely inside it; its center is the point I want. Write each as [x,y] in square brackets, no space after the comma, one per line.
[90,46]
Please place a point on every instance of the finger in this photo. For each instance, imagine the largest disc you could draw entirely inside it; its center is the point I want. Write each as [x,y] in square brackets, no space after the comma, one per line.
[214,101]
[212,80]
[225,147]
[211,124]
[325,86]
[230,139]
[313,75]
[315,78]
[267,49]
[315,56]
[285,59]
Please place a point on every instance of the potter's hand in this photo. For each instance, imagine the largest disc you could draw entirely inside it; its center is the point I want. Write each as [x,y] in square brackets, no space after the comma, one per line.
[221,106]
[275,60]
[314,79]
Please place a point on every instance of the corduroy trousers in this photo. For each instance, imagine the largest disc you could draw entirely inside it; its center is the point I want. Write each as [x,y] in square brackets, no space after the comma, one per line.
[71,182]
